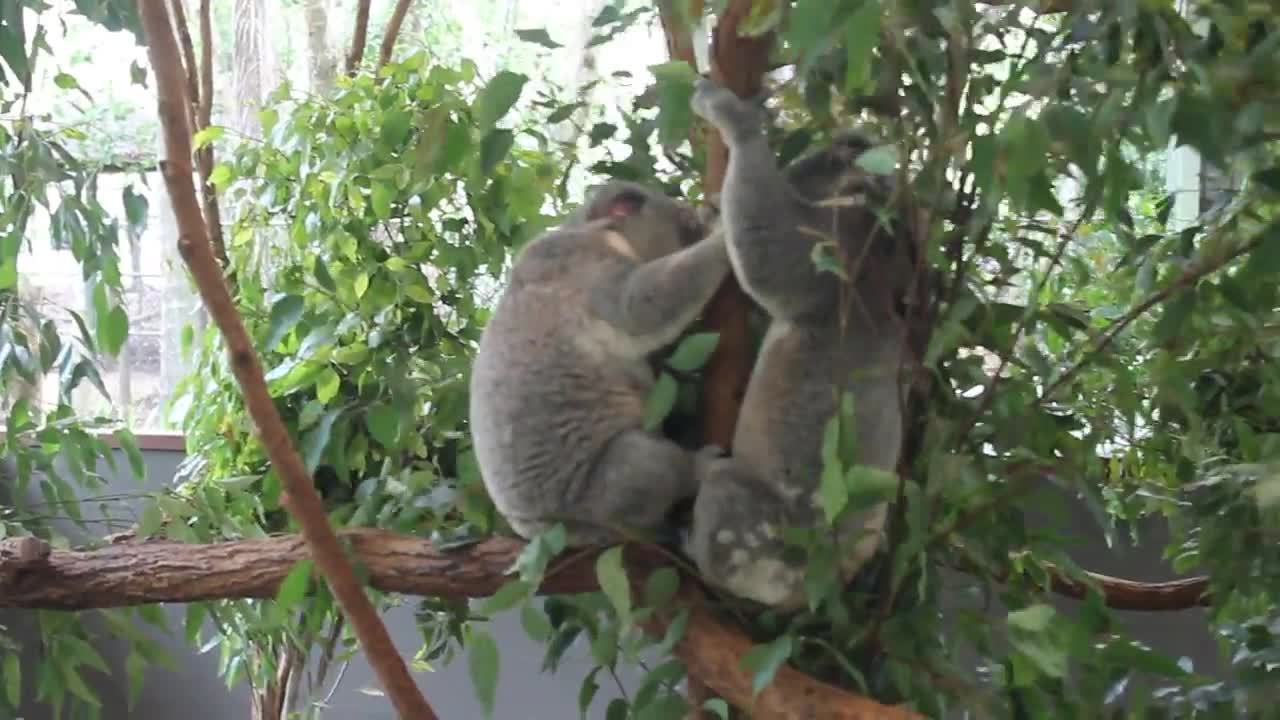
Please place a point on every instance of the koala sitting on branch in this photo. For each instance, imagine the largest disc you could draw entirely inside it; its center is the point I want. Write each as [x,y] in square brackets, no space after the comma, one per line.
[825,334]
[560,383]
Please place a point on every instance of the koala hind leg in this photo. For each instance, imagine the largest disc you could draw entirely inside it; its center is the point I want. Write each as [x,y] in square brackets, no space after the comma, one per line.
[634,483]
[736,538]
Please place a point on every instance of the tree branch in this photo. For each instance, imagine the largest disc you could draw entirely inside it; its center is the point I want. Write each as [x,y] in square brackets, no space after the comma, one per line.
[204,156]
[301,498]
[1124,594]
[393,31]
[738,63]
[358,37]
[136,573]
[131,572]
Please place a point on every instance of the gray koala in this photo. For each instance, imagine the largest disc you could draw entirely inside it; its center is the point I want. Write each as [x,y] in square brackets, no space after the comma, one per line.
[824,334]
[560,383]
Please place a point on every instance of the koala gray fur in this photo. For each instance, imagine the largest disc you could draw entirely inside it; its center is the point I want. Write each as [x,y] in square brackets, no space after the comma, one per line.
[824,334]
[561,379]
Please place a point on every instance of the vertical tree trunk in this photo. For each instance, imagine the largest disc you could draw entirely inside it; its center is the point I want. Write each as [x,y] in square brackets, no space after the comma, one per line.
[250,55]
[323,63]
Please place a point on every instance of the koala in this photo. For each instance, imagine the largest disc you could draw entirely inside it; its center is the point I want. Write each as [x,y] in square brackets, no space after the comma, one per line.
[561,379]
[824,334]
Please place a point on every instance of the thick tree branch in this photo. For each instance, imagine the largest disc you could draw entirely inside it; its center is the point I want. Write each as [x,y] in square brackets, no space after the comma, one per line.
[393,31]
[136,573]
[301,498]
[130,572]
[359,36]
[739,63]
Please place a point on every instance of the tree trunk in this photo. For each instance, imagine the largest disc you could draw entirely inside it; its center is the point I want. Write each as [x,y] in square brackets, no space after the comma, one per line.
[251,61]
[323,63]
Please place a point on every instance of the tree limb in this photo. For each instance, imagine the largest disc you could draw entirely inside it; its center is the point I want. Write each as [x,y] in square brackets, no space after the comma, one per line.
[358,37]
[738,63]
[204,156]
[393,31]
[301,498]
[137,573]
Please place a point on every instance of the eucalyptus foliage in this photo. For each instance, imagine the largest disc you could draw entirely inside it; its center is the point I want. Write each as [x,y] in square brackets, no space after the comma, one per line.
[1094,339]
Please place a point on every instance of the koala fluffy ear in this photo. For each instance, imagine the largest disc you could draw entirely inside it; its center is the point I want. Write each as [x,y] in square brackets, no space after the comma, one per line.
[623,205]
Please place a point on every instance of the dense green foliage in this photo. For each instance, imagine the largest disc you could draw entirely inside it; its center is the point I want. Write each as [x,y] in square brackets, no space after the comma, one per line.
[1105,345]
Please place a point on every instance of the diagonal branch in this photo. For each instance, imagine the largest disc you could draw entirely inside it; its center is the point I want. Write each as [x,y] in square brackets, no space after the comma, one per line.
[359,36]
[392,32]
[301,498]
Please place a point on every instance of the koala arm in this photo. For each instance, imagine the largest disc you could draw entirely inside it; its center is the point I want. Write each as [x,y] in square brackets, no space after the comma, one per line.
[652,303]
[771,230]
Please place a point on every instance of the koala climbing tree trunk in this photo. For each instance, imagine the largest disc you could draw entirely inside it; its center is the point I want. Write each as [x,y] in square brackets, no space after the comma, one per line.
[739,63]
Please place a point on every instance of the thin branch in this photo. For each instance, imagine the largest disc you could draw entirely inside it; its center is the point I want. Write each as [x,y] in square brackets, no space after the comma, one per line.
[137,573]
[206,64]
[359,37]
[189,61]
[1125,594]
[1189,277]
[392,32]
[200,87]
[301,498]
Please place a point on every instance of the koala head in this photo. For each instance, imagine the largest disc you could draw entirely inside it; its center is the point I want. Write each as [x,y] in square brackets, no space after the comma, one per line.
[654,224]
[832,169]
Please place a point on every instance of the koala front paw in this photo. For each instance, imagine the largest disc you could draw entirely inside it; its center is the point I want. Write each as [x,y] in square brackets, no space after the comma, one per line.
[734,117]
[707,460]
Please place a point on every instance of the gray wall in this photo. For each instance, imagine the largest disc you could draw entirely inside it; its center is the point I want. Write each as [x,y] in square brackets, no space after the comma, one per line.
[195,692]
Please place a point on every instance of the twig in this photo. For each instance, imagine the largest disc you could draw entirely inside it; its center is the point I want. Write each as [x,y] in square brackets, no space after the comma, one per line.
[301,498]
[393,31]
[1188,277]
[358,37]
[204,157]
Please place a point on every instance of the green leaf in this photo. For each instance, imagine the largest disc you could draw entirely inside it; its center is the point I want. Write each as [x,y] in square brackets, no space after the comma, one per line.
[587,692]
[538,36]
[613,581]
[1173,317]
[381,197]
[316,440]
[494,149]
[135,668]
[285,314]
[1033,618]
[383,422]
[693,352]
[507,596]
[294,586]
[113,330]
[833,493]
[879,160]
[660,587]
[327,385]
[129,444]
[660,401]
[717,706]
[396,125]
[497,98]
[482,661]
[211,134]
[862,36]
[674,86]
[12,679]
[763,661]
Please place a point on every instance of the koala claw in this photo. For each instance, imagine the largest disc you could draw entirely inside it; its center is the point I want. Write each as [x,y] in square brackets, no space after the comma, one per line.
[712,451]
